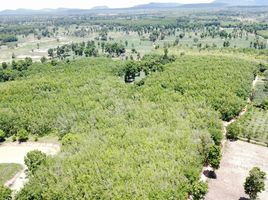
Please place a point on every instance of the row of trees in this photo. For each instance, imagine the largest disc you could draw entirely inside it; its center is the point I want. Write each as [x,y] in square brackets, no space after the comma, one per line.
[88,49]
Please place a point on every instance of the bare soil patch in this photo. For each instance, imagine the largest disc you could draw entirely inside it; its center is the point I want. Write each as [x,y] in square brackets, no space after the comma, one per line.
[15,153]
[238,158]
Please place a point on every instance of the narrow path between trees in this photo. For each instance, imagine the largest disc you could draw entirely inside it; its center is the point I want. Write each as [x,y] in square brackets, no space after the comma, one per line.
[15,153]
[238,158]
[206,169]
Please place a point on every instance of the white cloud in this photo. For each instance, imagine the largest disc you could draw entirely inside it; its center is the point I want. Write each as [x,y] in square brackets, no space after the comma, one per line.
[86,4]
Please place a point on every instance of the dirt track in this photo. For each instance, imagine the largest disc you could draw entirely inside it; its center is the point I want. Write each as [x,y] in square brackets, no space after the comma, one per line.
[15,153]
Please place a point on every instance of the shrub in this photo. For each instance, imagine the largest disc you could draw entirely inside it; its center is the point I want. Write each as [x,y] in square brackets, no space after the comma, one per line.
[4,65]
[264,105]
[262,68]
[22,135]
[214,156]
[34,159]
[255,183]
[54,62]
[5,193]
[216,135]
[43,59]
[233,131]
[2,136]
[14,138]
[199,190]
[69,139]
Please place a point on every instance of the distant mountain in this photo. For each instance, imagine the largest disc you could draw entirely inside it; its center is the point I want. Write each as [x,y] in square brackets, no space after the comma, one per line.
[45,11]
[243,2]
[100,8]
[205,5]
[157,5]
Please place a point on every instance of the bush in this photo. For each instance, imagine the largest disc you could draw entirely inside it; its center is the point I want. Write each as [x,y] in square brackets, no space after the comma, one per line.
[233,131]
[199,190]
[5,193]
[216,135]
[262,68]
[14,138]
[214,156]
[255,182]
[264,105]
[34,159]
[2,136]
[69,139]
[22,135]
[54,62]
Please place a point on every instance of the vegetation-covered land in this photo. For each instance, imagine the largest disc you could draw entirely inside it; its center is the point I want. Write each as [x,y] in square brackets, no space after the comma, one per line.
[121,140]
[7,171]
[136,100]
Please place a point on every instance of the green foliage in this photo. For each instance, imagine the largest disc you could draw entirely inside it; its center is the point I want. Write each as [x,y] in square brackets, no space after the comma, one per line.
[70,139]
[254,124]
[43,59]
[2,135]
[134,139]
[8,171]
[5,193]
[220,82]
[264,105]
[216,135]
[214,156]
[199,190]
[255,183]
[22,135]
[234,130]
[33,160]
[262,68]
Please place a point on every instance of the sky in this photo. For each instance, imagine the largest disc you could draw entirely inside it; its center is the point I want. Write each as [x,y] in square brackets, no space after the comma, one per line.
[86,4]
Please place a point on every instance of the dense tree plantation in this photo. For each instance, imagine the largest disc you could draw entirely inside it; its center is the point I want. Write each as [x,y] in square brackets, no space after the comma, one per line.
[125,141]
[132,103]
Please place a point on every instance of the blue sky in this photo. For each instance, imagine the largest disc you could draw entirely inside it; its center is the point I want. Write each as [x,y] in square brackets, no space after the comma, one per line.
[37,4]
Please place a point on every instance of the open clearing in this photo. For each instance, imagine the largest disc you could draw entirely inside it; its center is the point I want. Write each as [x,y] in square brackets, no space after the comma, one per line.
[15,153]
[239,157]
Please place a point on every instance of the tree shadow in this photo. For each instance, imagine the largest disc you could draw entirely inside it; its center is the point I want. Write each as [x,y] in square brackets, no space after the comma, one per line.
[210,174]
[243,198]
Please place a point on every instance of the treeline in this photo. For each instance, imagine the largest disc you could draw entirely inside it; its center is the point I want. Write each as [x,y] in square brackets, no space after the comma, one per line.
[87,49]
[8,38]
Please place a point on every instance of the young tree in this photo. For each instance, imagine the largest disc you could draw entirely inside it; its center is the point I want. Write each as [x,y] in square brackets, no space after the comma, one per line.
[50,53]
[23,135]
[255,183]
[4,65]
[214,156]
[34,159]
[43,59]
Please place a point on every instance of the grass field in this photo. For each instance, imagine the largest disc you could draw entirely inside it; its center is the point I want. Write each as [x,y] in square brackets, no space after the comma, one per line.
[255,124]
[263,33]
[27,46]
[260,93]
[7,171]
